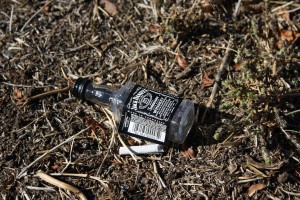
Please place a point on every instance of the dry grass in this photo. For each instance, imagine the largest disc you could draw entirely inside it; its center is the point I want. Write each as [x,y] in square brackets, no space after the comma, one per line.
[247,135]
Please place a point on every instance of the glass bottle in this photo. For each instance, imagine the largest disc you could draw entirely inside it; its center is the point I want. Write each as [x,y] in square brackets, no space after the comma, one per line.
[141,112]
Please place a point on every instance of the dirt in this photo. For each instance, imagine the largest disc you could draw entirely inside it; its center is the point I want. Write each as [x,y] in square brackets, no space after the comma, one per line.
[245,145]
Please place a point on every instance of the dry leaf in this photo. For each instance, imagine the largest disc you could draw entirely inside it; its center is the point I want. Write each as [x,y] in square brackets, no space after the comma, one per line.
[206,81]
[95,129]
[181,61]
[289,35]
[131,142]
[255,187]
[237,67]
[154,28]
[109,7]
[286,35]
[55,166]
[19,96]
[189,153]
[209,6]
[46,9]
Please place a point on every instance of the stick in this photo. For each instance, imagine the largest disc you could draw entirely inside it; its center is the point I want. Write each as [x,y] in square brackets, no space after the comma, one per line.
[283,6]
[113,123]
[94,47]
[38,96]
[103,183]
[49,151]
[217,80]
[283,3]
[237,8]
[158,175]
[114,129]
[287,135]
[82,176]
[11,17]
[46,189]
[290,138]
[290,193]
[25,86]
[61,184]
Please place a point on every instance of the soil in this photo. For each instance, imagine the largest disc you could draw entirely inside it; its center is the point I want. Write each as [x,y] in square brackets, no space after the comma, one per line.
[244,145]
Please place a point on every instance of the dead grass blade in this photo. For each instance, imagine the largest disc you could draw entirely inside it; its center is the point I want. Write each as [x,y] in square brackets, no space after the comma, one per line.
[61,184]
[49,151]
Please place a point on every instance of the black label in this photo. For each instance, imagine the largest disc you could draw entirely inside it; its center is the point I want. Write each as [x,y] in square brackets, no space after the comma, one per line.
[147,114]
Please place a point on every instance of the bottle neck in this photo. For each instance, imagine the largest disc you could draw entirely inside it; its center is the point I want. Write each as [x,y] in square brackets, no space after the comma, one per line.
[85,89]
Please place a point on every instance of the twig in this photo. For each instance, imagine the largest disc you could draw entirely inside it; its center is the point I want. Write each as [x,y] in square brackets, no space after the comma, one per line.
[94,47]
[10,19]
[47,189]
[154,10]
[70,157]
[288,11]
[26,196]
[186,191]
[74,49]
[284,2]
[49,123]
[24,127]
[49,151]
[217,80]
[37,12]
[237,8]
[289,137]
[104,12]
[102,182]
[111,140]
[25,86]
[191,184]
[38,96]
[82,176]
[219,147]
[250,180]
[290,193]
[61,184]
[158,175]
[121,140]
[114,128]
[283,6]
[185,71]
[204,195]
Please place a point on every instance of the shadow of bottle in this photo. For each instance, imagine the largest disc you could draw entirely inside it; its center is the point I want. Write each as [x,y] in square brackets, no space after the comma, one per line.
[208,127]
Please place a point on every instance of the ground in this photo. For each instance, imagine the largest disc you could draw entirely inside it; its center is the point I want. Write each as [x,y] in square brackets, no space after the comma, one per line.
[239,64]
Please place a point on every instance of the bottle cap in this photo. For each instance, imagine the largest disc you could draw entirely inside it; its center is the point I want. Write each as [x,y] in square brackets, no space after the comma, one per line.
[79,87]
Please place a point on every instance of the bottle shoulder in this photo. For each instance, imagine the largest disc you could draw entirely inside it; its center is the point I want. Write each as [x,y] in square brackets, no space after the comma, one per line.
[123,92]
[118,99]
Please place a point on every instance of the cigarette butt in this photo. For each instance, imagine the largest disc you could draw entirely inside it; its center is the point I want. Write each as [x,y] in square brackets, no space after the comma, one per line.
[144,149]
